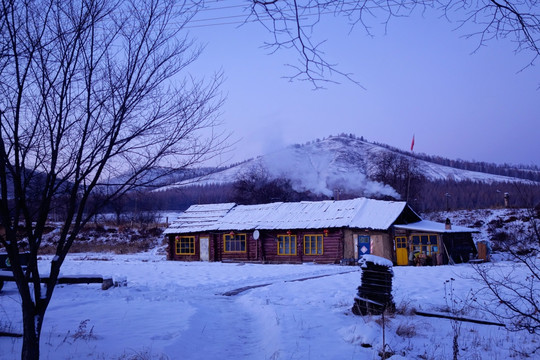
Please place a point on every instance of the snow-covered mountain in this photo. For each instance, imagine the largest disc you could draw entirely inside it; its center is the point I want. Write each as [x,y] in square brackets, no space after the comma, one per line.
[338,162]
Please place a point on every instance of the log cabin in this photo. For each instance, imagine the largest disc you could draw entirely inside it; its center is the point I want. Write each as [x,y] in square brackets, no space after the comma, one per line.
[329,232]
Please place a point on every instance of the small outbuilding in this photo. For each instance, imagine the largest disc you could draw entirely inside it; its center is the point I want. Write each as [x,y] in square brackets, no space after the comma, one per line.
[434,243]
[327,231]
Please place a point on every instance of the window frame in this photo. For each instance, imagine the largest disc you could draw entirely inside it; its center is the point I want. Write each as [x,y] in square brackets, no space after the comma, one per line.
[427,246]
[401,240]
[238,242]
[282,239]
[178,249]
[316,238]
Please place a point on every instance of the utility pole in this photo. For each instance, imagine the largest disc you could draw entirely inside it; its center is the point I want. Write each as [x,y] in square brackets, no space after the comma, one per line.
[447,195]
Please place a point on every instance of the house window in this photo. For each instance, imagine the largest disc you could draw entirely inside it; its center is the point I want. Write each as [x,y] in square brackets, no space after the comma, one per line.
[235,242]
[401,242]
[425,243]
[185,245]
[286,244]
[313,244]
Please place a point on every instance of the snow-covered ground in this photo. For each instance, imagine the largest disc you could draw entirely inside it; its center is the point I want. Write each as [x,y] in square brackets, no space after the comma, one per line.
[178,310]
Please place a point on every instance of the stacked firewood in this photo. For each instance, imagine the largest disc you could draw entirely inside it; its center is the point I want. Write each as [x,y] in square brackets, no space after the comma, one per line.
[375,294]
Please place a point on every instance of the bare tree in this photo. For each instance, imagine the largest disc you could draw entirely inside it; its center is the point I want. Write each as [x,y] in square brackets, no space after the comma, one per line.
[293,24]
[256,185]
[90,90]
[400,172]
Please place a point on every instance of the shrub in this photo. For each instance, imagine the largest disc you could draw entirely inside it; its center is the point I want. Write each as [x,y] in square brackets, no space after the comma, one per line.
[406,330]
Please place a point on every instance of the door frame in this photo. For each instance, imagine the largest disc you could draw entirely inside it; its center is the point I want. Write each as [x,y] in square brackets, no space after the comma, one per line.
[402,241]
[363,241]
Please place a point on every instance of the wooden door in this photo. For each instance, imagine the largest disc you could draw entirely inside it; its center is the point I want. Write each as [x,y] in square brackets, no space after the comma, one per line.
[205,248]
[402,255]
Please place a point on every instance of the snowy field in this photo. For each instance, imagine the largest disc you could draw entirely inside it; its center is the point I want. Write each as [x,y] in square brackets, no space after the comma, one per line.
[178,310]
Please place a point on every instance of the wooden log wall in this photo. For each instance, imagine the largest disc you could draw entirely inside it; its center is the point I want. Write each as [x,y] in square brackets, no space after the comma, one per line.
[265,249]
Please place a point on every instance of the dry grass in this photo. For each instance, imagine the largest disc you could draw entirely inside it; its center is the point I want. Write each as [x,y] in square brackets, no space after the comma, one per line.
[406,330]
[405,308]
[109,239]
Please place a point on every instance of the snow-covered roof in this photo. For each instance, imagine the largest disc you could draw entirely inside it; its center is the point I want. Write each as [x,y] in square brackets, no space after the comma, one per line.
[355,213]
[199,217]
[432,226]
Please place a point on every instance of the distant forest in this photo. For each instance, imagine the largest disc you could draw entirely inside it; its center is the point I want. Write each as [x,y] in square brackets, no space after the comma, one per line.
[431,196]
[527,172]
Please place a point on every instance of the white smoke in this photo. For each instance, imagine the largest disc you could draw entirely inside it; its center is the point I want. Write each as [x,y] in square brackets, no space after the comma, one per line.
[317,169]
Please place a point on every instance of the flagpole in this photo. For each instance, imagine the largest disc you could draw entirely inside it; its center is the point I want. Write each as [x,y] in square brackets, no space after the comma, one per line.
[409,172]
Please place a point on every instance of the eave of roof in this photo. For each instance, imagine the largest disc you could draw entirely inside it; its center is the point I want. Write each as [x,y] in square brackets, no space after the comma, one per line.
[436,227]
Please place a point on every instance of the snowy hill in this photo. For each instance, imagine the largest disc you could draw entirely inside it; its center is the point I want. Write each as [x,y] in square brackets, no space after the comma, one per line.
[338,162]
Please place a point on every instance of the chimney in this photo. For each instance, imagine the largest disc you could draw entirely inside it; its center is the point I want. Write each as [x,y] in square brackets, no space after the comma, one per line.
[447,224]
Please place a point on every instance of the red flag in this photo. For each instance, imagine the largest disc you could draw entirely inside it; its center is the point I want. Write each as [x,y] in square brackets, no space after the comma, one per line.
[412,144]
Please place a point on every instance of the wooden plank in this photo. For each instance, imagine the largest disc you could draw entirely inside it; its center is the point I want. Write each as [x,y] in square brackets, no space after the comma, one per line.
[451,317]
[63,279]
[242,289]
[245,288]
[369,301]
[10,334]
[80,279]
[476,261]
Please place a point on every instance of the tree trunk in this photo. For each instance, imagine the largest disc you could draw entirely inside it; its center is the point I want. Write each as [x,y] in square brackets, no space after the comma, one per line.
[32,331]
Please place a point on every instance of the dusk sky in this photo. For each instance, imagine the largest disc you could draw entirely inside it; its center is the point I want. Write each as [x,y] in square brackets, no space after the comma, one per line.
[421,79]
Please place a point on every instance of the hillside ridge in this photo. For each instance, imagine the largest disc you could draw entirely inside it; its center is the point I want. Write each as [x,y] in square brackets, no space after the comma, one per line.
[342,162]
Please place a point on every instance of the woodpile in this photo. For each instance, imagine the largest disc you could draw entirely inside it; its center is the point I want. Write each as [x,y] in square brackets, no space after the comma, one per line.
[375,294]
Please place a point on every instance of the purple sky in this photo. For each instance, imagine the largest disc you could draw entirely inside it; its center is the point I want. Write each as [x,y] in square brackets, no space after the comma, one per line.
[420,78]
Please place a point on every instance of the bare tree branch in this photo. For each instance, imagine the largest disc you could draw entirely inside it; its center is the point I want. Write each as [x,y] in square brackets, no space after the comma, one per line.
[512,292]
[293,25]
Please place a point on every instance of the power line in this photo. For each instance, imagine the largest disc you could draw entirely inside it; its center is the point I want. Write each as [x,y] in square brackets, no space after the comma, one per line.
[211,20]
[219,18]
